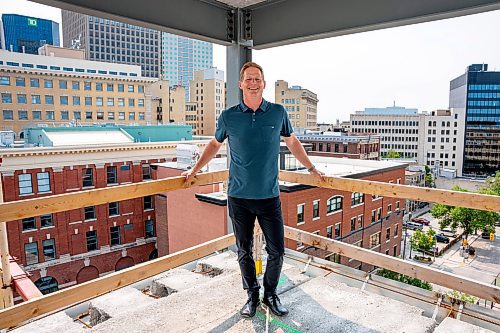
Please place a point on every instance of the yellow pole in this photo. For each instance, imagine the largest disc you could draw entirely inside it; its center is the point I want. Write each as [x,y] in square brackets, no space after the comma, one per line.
[257,248]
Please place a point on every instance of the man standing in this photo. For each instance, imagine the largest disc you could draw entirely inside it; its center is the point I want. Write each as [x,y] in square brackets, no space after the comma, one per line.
[253,129]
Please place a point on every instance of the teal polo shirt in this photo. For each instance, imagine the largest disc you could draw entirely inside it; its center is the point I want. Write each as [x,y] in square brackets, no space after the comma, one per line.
[254,143]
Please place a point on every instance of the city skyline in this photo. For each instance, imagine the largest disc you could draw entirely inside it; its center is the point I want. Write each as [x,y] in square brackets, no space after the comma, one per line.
[409,66]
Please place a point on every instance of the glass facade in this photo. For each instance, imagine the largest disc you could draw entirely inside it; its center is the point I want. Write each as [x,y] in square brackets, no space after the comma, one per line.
[482,128]
[27,34]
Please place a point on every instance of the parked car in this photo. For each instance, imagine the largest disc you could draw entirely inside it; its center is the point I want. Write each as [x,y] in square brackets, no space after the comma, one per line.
[497,223]
[449,232]
[441,238]
[414,226]
[485,235]
[421,220]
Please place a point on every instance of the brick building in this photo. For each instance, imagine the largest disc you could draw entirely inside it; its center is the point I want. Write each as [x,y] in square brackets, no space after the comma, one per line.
[337,144]
[65,248]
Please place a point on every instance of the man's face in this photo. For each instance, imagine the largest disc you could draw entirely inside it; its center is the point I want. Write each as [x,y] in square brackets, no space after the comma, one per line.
[252,84]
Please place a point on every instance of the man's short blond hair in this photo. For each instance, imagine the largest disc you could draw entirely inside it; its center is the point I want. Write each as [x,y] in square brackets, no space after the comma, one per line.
[248,65]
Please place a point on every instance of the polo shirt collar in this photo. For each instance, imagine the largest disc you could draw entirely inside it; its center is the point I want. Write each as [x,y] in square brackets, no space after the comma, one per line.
[264,106]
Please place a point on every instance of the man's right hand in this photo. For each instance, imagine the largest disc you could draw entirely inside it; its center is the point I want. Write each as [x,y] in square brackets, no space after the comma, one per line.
[189,175]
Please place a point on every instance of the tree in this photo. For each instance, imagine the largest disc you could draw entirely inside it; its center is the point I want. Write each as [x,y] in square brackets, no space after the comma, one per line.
[404,278]
[428,180]
[423,241]
[470,220]
[492,185]
[392,154]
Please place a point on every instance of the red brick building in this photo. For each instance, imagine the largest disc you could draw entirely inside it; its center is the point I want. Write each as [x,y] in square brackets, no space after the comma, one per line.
[337,144]
[70,247]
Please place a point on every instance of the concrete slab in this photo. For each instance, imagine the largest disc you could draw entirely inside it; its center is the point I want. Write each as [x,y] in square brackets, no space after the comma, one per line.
[58,322]
[176,280]
[225,262]
[455,326]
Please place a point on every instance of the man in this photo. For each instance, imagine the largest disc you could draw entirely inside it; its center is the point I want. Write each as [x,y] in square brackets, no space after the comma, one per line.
[253,129]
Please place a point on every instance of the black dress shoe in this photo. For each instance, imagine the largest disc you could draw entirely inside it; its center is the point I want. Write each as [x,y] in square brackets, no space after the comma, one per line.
[250,307]
[274,304]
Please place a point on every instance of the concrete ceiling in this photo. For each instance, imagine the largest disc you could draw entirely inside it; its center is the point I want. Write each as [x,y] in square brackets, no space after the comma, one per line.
[275,22]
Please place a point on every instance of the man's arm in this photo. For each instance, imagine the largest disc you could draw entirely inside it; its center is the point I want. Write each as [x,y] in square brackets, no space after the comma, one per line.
[210,150]
[300,154]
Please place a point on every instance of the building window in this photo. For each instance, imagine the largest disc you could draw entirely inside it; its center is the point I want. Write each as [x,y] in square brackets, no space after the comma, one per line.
[98,86]
[31,253]
[130,88]
[25,185]
[375,240]
[142,116]
[63,84]
[111,101]
[109,87]
[49,99]
[8,115]
[334,204]
[49,115]
[115,235]
[374,215]
[149,229]
[379,213]
[37,115]
[389,209]
[388,234]
[113,209]
[111,175]
[46,221]
[87,85]
[7,98]
[146,172]
[36,99]
[148,202]
[131,102]
[337,230]
[48,84]
[121,101]
[353,223]
[395,251]
[88,177]
[316,209]
[140,88]
[131,116]
[75,85]
[360,221]
[396,227]
[140,102]
[21,99]
[20,81]
[63,100]
[300,214]
[49,249]
[91,240]
[88,115]
[120,87]
[89,213]
[22,114]
[111,115]
[329,231]
[34,83]
[397,205]
[43,182]
[356,198]
[5,81]
[76,100]
[98,101]
[29,223]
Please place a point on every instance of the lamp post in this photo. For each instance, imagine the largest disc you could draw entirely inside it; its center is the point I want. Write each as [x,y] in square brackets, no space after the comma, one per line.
[404,244]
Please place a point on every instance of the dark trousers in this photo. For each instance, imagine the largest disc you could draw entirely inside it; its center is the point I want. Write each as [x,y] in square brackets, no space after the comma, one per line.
[268,212]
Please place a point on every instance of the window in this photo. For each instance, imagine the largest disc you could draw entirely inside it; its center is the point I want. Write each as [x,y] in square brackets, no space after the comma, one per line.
[21,99]
[140,88]
[49,249]
[77,115]
[22,115]
[111,175]
[300,214]
[87,85]
[64,115]
[121,115]
[334,204]
[76,100]
[89,213]
[396,227]
[315,209]
[130,88]
[374,215]
[356,198]
[140,102]
[110,87]
[91,240]
[5,81]
[7,98]
[63,84]
[146,172]
[389,209]
[148,202]
[29,223]
[98,86]
[111,115]
[43,182]
[20,81]
[48,84]
[37,115]
[111,101]
[31,253]
[131,116]
[115,235]
[329,231]
[397,205]
[337,230]
[113,209]
[353,223]
[120,87]
[379,213]
[63,100]
[100,115]
[121,101]
[34,83]
[149,229]
[131,102]
[360,221]
[98,101]
[375,240]
[25,185]
[49,99]
[75,85]
[46,221]
[8,115]
[88,177]
[387,234]
[395,251]
[35,99]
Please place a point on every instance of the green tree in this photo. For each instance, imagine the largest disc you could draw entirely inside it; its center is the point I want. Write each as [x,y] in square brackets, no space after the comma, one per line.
[492,185]
[470,220]
[423,241]
[428,180]
[404,278]
[392,154]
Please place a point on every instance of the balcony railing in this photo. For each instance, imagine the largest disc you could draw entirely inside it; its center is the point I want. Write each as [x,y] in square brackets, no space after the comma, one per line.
[32,308]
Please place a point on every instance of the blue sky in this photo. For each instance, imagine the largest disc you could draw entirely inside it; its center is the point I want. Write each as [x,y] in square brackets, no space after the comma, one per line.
[411,65]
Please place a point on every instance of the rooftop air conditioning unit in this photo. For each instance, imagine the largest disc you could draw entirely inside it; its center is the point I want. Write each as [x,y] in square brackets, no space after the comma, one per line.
[187,155]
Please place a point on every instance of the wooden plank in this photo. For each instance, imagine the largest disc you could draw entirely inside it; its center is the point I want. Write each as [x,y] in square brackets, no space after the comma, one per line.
[16,210]
[429,274]
[59,300]
[452,198]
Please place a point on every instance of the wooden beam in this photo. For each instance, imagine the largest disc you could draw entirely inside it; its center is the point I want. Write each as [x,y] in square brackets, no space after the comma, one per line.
[62,299]
[429,274]
[446,197]
[5,274]
[16,210]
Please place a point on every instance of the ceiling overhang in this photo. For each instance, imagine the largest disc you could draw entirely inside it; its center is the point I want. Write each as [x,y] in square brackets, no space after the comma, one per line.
[275,22]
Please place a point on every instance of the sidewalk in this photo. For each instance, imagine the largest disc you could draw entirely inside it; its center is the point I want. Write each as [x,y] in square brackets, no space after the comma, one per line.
[453,254]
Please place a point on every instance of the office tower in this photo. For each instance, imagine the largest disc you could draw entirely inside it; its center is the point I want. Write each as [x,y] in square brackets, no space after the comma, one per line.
[478,92]
[111,41]
[301,104]
[26,34]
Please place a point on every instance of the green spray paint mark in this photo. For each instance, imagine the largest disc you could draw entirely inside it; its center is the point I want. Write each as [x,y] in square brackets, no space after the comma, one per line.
[282,281]
[277,323]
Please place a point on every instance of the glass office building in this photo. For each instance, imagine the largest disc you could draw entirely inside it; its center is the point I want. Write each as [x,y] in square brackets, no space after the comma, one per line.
[26,34]
[478,92]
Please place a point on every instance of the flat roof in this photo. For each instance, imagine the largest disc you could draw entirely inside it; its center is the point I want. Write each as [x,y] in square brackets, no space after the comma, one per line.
[77,138]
